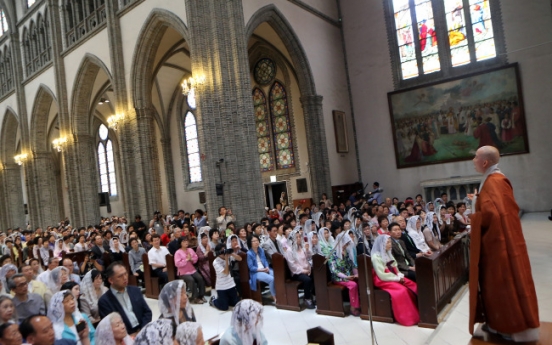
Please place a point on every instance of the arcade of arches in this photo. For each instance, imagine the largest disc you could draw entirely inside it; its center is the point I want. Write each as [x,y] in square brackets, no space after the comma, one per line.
[103,79]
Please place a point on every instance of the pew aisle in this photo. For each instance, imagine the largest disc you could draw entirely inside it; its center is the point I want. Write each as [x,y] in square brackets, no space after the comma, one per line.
[283,327]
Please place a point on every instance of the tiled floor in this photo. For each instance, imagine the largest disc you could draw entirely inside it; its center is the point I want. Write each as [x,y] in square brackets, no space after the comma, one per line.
[287,328]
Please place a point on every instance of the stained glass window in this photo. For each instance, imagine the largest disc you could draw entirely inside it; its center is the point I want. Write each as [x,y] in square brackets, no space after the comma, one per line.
[482,25]
[281,127]
[30,3]
[265,71]
[3,23]
[106,162]
[465,28]
[262,118]
[192,148]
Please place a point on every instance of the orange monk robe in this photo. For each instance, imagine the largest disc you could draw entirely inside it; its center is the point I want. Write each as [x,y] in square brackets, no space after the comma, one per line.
[499,263]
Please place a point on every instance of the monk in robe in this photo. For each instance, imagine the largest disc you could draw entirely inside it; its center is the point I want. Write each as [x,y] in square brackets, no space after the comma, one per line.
[502,292]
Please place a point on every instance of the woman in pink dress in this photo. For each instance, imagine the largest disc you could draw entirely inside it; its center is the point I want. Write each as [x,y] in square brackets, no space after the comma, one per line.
[387,277]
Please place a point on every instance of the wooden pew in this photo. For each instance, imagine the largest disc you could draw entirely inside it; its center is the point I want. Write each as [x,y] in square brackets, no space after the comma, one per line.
[212,272]
[152,283]
[439,277]
[106,259]
[329,297]
[171,268]
[287,294]
[132,279]
[244,281]
[76,257]
[380,300]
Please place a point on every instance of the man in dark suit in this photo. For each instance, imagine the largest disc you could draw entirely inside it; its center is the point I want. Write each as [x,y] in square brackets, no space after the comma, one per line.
[128,301]
[173,245]
[405,262]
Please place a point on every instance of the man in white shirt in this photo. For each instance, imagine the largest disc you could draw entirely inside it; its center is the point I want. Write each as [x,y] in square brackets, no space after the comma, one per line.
[157,260]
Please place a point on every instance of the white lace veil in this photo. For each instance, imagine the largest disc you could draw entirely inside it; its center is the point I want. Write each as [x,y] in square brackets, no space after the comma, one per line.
[3,272]
[186,333]
[104,332]
[322,240]
[112,245]
[411,225]
[379,248]
[229,241]
[169,299]
[247,321]
[434,228]
[54,278]
[315,249]
[317,217]
[87,288]
[309,226]
[156,333]
[342,239]
[56,312]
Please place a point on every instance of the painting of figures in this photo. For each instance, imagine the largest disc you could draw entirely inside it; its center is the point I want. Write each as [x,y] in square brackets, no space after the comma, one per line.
[448,121]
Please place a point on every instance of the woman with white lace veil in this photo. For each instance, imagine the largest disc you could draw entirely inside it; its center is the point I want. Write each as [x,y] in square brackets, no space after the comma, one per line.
[59,276]
[59,248]
[314,243]
[246,325]
[343,270]
[325,241]
[174,296]
[298,264]
[414,229]
[92,288]
[432,233]
[309,226]
[158,332]
[202,252]
[318,219]
[189,333]
[112,331]
[65,316]
[6,272]
[343,238]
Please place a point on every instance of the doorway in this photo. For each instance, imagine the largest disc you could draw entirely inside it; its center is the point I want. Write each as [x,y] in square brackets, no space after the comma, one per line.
[273,191]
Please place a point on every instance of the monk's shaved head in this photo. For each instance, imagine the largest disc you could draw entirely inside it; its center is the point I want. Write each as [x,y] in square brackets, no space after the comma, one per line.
[485,157]
[489,153]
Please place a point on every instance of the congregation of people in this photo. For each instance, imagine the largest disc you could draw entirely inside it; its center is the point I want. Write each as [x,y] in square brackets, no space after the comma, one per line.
[46,298]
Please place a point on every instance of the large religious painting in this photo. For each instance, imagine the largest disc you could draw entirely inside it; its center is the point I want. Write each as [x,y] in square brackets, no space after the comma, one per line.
[448,121]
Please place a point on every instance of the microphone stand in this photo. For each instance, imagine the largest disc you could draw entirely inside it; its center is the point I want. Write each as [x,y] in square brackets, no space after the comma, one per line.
[372,333]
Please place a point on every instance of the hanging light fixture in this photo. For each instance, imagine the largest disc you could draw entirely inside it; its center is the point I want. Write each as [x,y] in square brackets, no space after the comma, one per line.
[114,120]
[103,100]
[59,143]
[21,158]
[192,83]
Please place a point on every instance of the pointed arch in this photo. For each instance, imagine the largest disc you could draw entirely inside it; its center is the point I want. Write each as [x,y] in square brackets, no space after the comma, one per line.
[149,39]
[82,93]
[39,119]
[271,14]
[8,136]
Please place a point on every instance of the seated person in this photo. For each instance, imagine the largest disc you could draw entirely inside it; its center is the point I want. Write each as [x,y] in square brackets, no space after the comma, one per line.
[26,303]
[9,334]
[451,223]
[214,238]
[326,241]
[405,262]
[112,331]
[431,232]
[135,259]
[202,259]
[92,289]
[184,260]
[39,330]
[461,217]
[414,229]
[246,325]
[342,269]
[298,263]
[68,263]
[116,249]
[258,266]
[364,245]
[157,260]
[189,333]
[65,316]
[174,294]
[159,332]
[227,295]
[387,277]
[7,310]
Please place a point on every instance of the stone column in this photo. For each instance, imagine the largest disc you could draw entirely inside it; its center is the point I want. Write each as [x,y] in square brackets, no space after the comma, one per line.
[13,196]
[46,194]
[319,167]
[169,173]
[225,117]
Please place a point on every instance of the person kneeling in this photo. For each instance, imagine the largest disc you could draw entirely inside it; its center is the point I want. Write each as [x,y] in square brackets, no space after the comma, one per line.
[227,294]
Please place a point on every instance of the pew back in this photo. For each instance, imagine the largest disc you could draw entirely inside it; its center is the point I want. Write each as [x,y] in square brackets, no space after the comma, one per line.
[379,299]
[244,281]
[132,280]
[329,297]
[152,283]
[287,295]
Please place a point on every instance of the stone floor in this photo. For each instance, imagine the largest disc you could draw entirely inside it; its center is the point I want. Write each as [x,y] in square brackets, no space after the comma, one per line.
[285,327]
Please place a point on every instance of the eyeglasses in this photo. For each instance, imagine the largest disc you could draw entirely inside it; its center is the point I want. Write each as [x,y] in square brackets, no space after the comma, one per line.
[22,284]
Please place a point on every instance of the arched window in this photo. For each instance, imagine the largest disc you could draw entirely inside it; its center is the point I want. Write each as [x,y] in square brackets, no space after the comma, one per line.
[106,162]
[272,119]
[192,142]
[30,3]
[432,39]
[3,23]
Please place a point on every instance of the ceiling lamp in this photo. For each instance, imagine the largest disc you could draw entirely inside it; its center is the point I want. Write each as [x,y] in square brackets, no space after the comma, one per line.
[59,143]
[114,120]
[192,83]
[21,158]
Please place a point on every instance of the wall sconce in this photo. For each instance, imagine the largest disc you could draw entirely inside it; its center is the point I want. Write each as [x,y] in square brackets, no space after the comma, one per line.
[114,120]
[21,158]
[59,143]
[192,83]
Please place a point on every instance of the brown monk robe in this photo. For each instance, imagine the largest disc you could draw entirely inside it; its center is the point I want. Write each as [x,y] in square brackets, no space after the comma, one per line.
[502,292]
